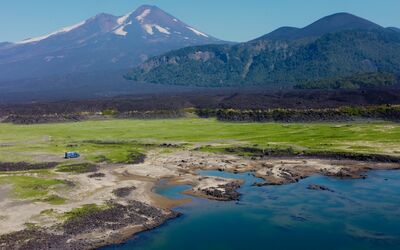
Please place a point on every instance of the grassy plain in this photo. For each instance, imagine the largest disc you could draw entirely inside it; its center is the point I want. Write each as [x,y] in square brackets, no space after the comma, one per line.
[28,187]
[116,140]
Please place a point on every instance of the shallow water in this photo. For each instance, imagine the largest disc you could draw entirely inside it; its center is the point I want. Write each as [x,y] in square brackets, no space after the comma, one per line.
[360,214]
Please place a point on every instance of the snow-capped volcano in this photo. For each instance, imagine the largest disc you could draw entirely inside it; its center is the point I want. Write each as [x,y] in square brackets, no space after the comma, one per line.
[103,42]
[155,22]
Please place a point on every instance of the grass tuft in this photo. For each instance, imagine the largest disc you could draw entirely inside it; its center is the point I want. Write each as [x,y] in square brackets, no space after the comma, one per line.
[54,200]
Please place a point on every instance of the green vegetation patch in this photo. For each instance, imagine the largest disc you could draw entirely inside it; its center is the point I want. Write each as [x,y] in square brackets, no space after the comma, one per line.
[113,151]
[130,136]
[31,226]
[27,187]
[250,151]
[135,157]
[81,212]
[54,200]
[78,168]
[109,112]
[49,212]
[121,156]
[289,151]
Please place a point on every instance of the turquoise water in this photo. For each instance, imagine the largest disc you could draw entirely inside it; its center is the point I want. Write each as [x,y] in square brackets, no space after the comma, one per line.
[360,214]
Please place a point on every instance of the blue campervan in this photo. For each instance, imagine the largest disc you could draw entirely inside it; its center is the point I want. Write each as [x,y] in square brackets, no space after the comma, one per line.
[71,155]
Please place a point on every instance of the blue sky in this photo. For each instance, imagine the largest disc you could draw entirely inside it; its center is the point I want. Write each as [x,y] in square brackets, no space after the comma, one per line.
[235,20]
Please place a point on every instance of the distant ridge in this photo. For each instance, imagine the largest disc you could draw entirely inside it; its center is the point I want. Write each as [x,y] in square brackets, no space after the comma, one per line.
[334,46]
[330,24]
[394,29]
[4,44]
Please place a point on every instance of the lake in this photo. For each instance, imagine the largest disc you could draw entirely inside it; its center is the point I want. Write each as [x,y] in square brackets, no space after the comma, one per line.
[359,214]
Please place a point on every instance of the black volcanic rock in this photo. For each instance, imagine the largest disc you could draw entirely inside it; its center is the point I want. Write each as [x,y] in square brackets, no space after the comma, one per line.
[103,42]
[319,188]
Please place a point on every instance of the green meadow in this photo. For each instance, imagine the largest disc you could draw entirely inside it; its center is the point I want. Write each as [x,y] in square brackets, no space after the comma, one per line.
[115,141]
[28,187]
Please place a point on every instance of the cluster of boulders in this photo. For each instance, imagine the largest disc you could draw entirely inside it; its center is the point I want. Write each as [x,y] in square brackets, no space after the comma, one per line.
[64,236]
[124,191]
[23,166]
[45,118]
[97,175]
[34,239]
[225,192]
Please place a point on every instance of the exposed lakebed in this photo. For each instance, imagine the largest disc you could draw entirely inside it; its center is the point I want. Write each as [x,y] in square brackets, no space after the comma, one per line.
[354,214]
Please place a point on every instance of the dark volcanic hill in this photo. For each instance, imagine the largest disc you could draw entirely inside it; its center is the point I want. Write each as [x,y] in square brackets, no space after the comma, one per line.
[330,24]
[334,46]
[103,42]
[394,29]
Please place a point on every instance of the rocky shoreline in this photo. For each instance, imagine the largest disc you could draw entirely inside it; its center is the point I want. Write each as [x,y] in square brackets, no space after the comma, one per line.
[91,230]
[130,206]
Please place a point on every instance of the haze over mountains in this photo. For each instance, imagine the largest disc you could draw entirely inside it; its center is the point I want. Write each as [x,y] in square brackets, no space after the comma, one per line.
[338,45]
[103,42]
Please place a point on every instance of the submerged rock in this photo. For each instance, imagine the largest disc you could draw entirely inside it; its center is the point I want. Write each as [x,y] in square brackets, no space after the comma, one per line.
[362,234]
[298,218]
[319,188]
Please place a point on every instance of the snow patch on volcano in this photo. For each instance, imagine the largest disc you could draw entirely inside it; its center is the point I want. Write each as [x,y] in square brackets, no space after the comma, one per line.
[197,32]
[63,30]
